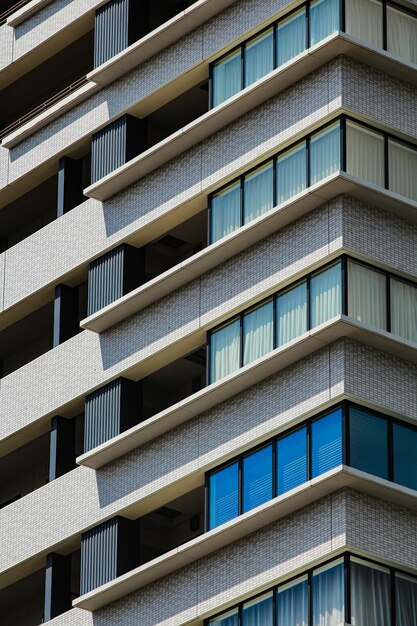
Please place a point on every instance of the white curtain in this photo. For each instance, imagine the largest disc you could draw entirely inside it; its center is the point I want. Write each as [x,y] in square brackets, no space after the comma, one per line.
[231,618]
[367,301]
[291,172]
[259,57]
[258,332]
[402,34]
[292,314]
[324,19]
[406,600]
[258,192]
[225,212]
[404,310]
[292,604]
[325,153]
[328,597]
[365,154]
[225,351]
[402,169]
[258,612]
[291,36]
[364,20]
[227,78]
[326,295]
[370,595]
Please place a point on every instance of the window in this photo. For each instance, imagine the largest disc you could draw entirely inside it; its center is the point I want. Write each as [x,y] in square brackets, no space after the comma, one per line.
[402,34]
[259,612]
[224,495]
[227,77]
[291,172]
[292,603]
[370,594]
[258,192]
[259,57]
[291,36]
[292,313]
[367,295]
[225,351]
[328,595]
[405,600]
[324,153]
[368,442]
[325,295]
[230,618]
[258,332]
[324,19]
[225,212]
[405,456]
[292,460]
[257,478]
[364,20]
[365,153]
[403,309]
[326,443]
[402,169]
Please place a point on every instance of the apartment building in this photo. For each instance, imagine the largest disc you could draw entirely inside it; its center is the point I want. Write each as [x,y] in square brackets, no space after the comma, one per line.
[208,313]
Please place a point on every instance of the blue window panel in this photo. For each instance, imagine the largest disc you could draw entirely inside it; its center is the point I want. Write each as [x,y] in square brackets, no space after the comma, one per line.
[230,618]
[258,612]
[258,192]
[224,351]
[291,36]
[224,495]
[225,212]
[325,153]
[326,295]
[291,172]
[227,77]
[326,443]
[257,478]
[324,19]
[259,57]
[405,456]
[368,442]
[329,596]
[292,460]
[292,603]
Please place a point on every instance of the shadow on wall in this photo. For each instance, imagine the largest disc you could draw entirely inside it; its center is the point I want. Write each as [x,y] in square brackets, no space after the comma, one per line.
[268,403]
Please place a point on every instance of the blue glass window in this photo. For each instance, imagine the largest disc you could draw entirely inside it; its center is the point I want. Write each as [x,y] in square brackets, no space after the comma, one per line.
[291,172]
[224,495]
[258,192]
[328,596]
[227,77]
[258,612]
[325,295]
[258,332]
[225,212]
[324,153]
[368,442]
[291,36]
[324,19]
[230,618]
[292,603]
[259,57]
[225,351]
[405,456]
[292,460]
[292,314]
[257,478]
[326,443]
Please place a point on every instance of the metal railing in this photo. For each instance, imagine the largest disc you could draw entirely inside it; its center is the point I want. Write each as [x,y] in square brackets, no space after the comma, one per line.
[12,9]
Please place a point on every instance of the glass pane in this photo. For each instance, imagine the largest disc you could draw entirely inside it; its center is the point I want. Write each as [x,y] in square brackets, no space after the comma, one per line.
[404,310]
[227,77]
[328,596]
[326,295]
[225,212]
[368,442]
[405,456]
[231,618]
[224,351]
[292,604]
[325,153]
[365,154]
[406,600]
[326,443]
[224,498]
[324,19]
[292,460]
[258,612]
[291,172]
[370,591]
[259,57]
[367,295]
[257,478]
[402,162]
[258,332]
[291,36]
[292,314]
[364,20]
[402,34]
[258,192]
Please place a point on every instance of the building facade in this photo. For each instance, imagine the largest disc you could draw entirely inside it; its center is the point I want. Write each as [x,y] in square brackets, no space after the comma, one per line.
[208,313]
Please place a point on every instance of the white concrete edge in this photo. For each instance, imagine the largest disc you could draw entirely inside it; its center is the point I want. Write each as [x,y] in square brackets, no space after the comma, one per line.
[241,526]
[215,393]
[26,11]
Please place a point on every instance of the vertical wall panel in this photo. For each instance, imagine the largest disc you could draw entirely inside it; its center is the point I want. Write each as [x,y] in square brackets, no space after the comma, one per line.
[111,33]
[105,280]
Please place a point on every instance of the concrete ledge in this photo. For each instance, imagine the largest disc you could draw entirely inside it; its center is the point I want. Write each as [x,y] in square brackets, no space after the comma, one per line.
[247,235]
[278,359]
[27,11]
[243,525]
